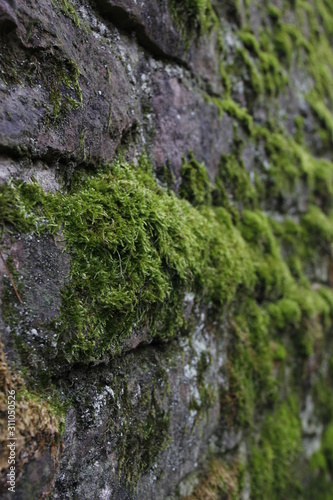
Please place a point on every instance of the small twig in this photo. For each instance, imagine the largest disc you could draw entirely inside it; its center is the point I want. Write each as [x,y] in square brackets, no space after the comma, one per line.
[10,277]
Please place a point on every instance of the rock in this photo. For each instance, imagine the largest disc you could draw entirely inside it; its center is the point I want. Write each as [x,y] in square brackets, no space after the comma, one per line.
[8,19]
[85,83]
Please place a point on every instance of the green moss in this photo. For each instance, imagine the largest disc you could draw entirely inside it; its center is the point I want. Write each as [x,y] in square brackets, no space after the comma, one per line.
[278,351]
[285,314]
[141,436]
[321,464]
[195,186]
[68,9]
[250,369]
[233,185]
[323,114]
[37,424]
[299,124]
[57,74]
[266,72]
[64,87]
[135,250]
[194,15]
[254,76]
[257,231]
[233,109]
[250,42]
[13,210]
[220,481]
[273,461]
[274,13]
[319,228]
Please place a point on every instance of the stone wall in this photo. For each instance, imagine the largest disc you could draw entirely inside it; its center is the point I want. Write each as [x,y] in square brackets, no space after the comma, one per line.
[166,218]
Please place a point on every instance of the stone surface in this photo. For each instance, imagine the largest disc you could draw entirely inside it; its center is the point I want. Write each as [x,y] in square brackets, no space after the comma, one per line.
[80,83]
[43,269]
[163,383]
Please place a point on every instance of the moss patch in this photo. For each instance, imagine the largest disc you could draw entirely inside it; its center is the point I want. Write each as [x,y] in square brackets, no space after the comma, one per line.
[36,423]
[135,250]
[273,461]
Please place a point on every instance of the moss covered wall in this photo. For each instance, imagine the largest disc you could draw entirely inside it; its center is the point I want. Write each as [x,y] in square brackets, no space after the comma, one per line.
[166,181]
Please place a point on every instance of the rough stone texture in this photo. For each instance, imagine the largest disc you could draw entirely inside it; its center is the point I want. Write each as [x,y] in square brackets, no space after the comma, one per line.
[43,269]
[95,424]
[77,86]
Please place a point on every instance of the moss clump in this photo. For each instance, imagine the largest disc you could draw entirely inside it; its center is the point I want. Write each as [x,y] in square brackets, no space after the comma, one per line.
[266,73]
[273,460]
[135,250]
[64,88]
[319,227]
[250,370]
[13,211]
[68,10]
[321,468]
[194,15]
[195,186]
[222,480]
[54,72]
[285,314]
[228,105]
[323,114]
[233,186]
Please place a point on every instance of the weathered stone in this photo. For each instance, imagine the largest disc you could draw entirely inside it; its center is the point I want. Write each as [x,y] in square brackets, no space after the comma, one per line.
[80,83]
[62,102]
[8,19]
[178,128]
[165,384]
[43,268]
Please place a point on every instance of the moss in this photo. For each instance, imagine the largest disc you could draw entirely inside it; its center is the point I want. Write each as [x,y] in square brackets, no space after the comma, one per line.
[13,213]
[194,15]
[135,250]
[256,230]
[69,11]
[207,395]
[266,71]
[64,88]
[274,13]
[273,461]
[56,73]
[279,351]
[250,365]
[219,481]
[255,78]
[233,186]
[285,314]
[299,125]
[143,435]
[319,229]
[233,109]
[321,468]
[195,186]
[36,424]
[323,114]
